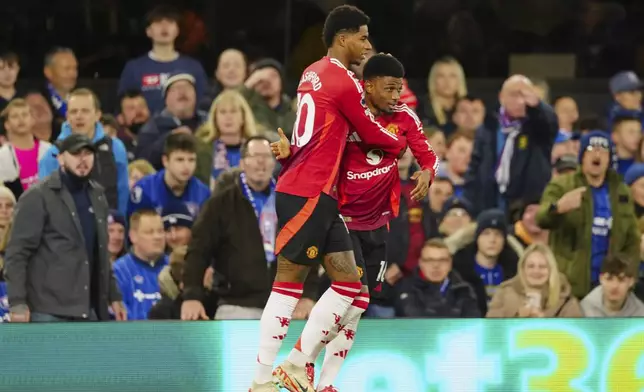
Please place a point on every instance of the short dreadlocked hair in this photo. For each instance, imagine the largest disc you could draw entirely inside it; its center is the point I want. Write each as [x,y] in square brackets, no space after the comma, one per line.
[380,65]
[345,18]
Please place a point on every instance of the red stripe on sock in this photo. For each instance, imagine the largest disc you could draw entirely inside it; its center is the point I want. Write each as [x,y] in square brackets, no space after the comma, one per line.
[363,297]
[288,285]
[348,285]
[360,304]
[293,294]
[346,293]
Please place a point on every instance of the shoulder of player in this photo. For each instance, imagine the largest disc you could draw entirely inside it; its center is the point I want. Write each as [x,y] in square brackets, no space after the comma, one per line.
[403,113]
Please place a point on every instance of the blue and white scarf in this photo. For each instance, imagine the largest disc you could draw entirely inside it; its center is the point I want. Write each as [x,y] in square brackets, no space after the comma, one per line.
[266,215]
[511,128]
[59,103]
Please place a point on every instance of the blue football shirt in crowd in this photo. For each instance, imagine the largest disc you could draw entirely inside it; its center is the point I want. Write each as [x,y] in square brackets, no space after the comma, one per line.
[623,165]
[151,192]
[602,222]
[149,75]
[233,157]
[138,281]
[4,303]
[491,277]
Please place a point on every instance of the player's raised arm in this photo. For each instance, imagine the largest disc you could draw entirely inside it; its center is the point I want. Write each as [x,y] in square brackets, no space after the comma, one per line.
[418,143]
[371,133]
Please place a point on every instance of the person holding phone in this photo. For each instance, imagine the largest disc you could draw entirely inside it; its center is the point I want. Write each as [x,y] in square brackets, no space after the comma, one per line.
[538,290]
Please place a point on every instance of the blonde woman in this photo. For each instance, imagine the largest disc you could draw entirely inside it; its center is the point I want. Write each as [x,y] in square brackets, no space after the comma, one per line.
[230,122]
[446,84]
[538,289]
[7,204]
[4,303]
[137,170]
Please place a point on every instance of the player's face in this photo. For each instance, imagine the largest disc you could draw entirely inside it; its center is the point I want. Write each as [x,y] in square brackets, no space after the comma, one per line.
[181,165]
[358,45]
[149,237]
[19,121]
[163,31]
[384,92]
[177,236]
[357,69]
[79,164]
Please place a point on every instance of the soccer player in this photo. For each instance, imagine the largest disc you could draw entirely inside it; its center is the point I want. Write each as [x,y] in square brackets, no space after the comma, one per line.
[176,183]
[311,229]
[369,194]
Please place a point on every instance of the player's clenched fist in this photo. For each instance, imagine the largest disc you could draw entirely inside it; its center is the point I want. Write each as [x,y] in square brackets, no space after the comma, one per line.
[423,180]
[571,200]
[282,148]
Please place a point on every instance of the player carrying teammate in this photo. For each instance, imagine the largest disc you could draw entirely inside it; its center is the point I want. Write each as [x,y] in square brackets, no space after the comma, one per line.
[311,228]
[369,194]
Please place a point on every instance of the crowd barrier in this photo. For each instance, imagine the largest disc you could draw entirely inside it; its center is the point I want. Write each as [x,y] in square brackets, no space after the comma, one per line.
[556,355]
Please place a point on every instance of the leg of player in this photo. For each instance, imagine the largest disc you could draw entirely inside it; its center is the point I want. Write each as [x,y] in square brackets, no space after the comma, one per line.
[287,290]
[326,314]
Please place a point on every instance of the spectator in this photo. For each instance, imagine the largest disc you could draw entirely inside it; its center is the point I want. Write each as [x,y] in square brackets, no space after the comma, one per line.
[9,69]
[116,235]
[567,113]
[83,112]
[626,88]
[627,135]
[230,123]
[439,192]
[437,139]
[175,183]
[137,272]
[589,214]
[538,290]
[564,165]
[590,123]
[61,73]
[149,72]
[7,205]
[179,116]
[43,116]
[134,114]
[246,272]
[171,288]
[613,297]
[564,145]
[61,223]
[177,222]
[137,170]
[20,155]
[511,161]
[435,289]
[4,301]
[456,214]
[469,114]
[277,111]
[490,260]
[459,151]
[110,126]
[446,84]
[634,178]
[525,229]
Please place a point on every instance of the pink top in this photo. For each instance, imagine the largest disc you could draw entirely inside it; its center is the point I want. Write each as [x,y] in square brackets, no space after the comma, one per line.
[28,162]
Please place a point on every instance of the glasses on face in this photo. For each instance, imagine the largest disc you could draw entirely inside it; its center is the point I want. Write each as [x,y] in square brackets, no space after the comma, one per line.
[596,147]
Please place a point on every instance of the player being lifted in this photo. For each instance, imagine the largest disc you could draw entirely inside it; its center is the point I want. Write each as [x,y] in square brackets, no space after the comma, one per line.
[369,195]
[311,228]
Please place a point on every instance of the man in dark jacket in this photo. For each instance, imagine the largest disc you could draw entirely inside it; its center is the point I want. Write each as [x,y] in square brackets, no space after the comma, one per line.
[435,290]
[57,265]
[511,156]
[243,252]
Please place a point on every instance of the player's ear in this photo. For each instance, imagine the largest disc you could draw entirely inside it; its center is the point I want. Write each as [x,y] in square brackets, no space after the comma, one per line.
[368,86]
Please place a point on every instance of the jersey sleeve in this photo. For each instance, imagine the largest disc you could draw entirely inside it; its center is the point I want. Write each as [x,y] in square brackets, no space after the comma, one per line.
[370,132]
[418,143]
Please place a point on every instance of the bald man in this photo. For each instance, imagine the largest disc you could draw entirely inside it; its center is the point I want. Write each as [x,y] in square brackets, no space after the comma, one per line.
[511,158]
[149,72]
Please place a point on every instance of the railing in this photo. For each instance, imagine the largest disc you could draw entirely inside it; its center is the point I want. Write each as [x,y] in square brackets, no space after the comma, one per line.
[388,356]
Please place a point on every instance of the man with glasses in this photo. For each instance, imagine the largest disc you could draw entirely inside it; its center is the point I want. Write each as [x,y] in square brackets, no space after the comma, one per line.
[589,214]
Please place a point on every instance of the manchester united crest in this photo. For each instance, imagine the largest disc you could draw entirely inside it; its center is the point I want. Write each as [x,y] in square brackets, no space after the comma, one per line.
[360,271]
[312,252]
[392,128]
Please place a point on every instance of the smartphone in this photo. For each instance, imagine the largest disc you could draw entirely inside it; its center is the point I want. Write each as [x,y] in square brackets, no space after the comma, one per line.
[534,300]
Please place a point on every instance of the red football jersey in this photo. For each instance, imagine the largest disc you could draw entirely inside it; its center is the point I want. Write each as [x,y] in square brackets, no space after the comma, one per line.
[330,99]
[370,185]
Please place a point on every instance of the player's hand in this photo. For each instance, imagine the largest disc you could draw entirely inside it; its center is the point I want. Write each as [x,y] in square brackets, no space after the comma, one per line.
[193,310]
[208,278]
[182,129]
[423,180]
[393,274]
[120,314]
[303,309]
[571,200]
[281,148]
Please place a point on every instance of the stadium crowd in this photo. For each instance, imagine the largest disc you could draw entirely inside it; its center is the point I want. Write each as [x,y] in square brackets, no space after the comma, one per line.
[535,211]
